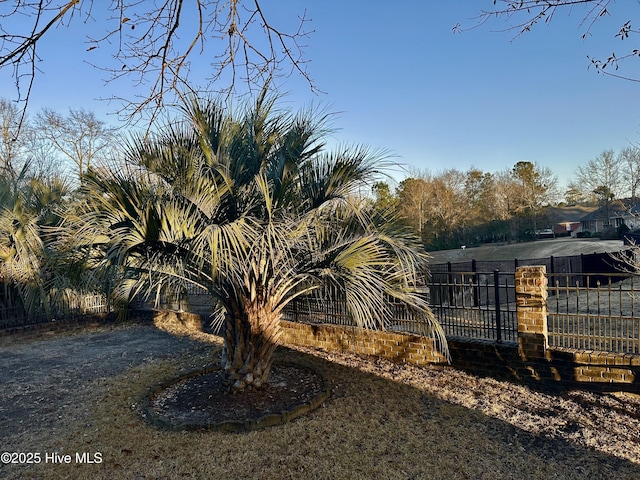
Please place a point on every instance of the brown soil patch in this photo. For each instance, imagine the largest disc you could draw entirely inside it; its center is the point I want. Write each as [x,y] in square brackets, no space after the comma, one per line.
[200,401]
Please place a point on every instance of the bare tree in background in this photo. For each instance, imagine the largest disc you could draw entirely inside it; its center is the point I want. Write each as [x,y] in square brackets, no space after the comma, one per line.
[629,157]
[154,43]
[79,137]
[12,146]
[24,153]
[603,176]
[523,15]
[603,171]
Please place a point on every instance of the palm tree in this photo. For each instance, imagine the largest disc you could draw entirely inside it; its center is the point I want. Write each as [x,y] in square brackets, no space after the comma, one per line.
[28,212]
[251,208]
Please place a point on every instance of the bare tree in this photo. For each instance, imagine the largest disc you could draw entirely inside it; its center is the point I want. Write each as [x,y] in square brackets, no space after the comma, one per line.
[24,152]
[448,213]
[506,187]
[524,15]
[603,177]
[603,171]
[80,137]
[436,206]
[44,158]
[629,157]
[12,146]
[413,201]
[153,43]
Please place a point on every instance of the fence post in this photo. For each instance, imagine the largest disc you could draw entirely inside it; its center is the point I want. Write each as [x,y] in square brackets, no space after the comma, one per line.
[531,301]
[496,287]
[476,289]
[451,297]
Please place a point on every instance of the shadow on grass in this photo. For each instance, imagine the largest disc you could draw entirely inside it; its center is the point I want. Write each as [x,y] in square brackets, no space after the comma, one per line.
[377,424]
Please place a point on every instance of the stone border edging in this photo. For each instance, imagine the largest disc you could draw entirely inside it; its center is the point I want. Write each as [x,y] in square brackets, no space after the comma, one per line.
[269,420]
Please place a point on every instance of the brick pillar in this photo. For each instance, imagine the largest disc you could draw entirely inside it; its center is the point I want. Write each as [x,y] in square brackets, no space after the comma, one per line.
[531,299]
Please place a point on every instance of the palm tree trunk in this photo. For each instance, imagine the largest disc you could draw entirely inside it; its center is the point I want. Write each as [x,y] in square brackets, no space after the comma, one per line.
[251,335]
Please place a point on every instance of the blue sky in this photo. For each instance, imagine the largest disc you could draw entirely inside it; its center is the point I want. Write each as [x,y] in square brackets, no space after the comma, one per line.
[401,80]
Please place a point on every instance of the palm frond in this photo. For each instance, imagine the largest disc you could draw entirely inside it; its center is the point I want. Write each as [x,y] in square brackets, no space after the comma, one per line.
[249,206]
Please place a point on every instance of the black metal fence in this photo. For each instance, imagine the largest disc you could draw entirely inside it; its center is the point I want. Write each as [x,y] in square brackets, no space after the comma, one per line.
[332,309]
[601,313]
[475,304]
[587,311]
[598,266]
[479,305]
[597,310]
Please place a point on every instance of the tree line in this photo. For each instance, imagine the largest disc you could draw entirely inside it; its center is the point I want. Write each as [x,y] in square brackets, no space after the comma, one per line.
[451,208]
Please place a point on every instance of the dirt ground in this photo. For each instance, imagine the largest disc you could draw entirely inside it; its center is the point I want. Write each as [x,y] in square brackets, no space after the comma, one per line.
[605,422]
[45,379]
[47,383]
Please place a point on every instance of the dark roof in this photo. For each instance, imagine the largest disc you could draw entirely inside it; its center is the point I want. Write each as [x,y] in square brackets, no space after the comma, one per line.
[617,209]
[567,214]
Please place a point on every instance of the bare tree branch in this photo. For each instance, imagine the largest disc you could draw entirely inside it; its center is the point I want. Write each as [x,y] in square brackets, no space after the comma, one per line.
[534,12]
[523,15]
[26,44]
[156,44]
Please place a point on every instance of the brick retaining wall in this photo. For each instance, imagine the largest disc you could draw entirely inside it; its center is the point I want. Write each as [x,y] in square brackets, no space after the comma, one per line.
[530,360]
[393,346]
[560,367]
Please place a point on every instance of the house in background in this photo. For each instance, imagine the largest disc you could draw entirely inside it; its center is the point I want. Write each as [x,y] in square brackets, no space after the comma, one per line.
[565,221]
[566,229]
[614,215]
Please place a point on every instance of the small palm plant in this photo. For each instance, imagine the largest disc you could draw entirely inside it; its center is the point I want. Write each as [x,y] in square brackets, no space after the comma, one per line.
[251,208]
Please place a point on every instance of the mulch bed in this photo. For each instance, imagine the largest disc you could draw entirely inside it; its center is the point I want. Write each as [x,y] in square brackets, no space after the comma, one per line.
[199,400]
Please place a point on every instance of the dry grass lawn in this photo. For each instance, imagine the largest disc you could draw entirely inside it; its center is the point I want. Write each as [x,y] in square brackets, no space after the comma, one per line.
[383,421]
